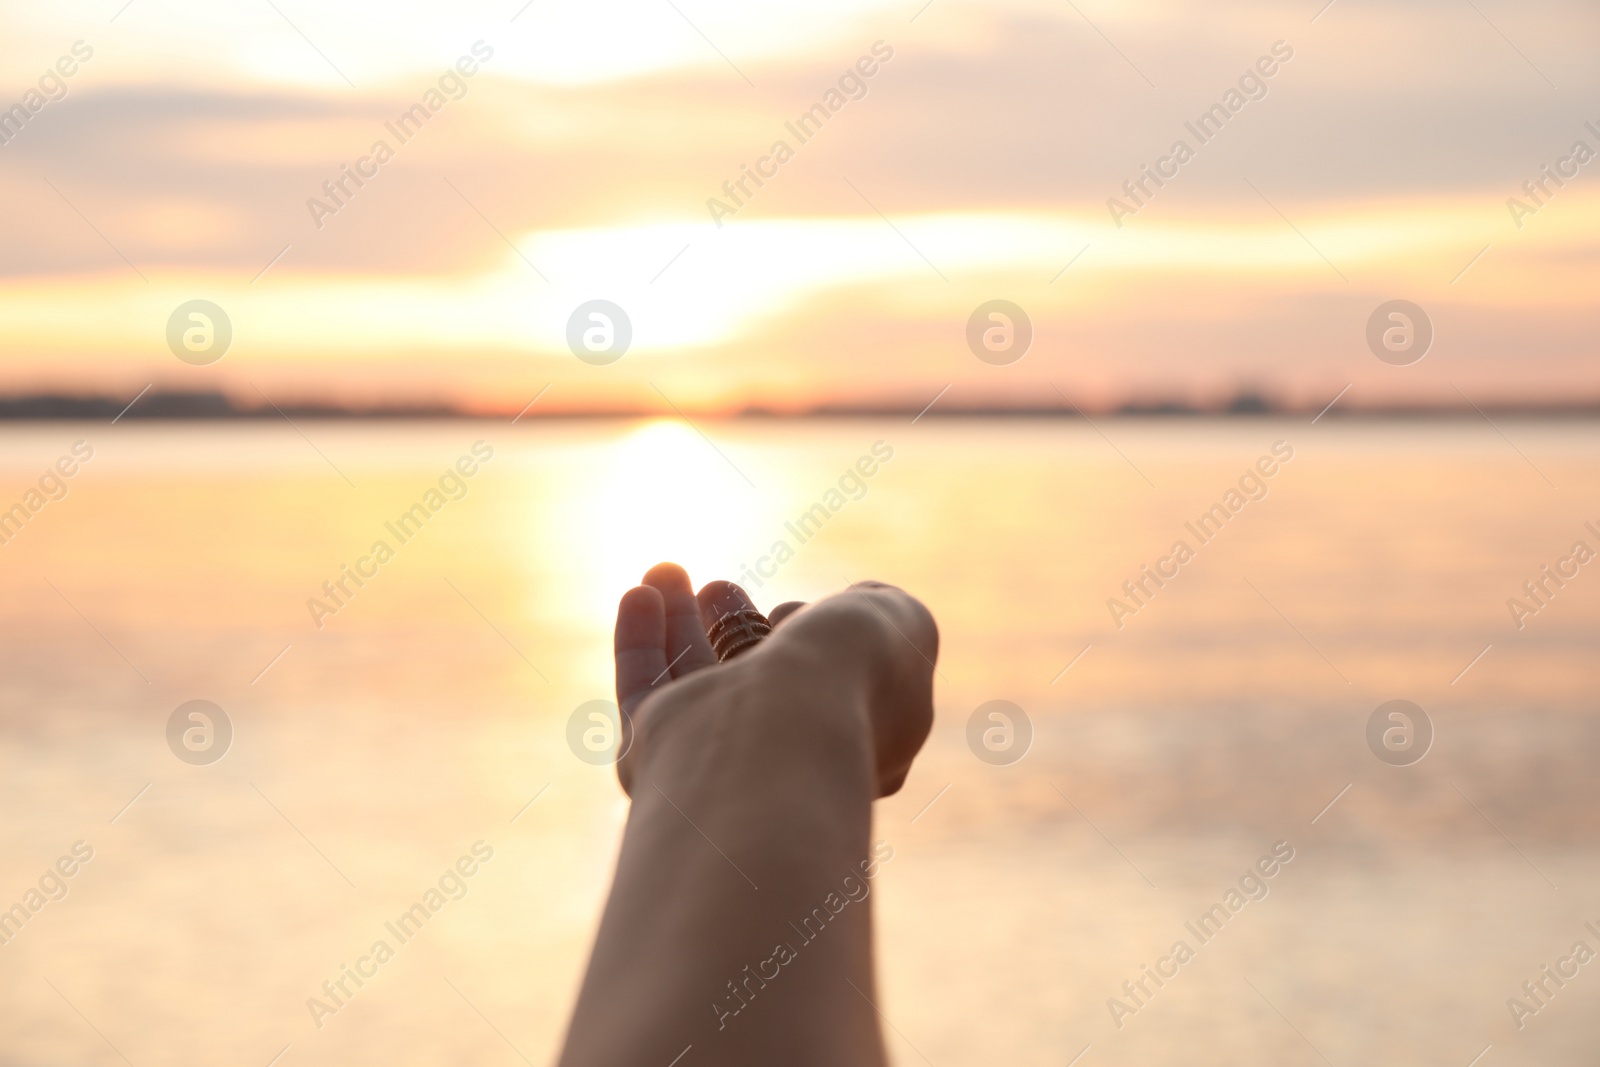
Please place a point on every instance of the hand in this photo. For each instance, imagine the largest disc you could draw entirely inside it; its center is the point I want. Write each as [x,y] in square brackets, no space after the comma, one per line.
[869,649]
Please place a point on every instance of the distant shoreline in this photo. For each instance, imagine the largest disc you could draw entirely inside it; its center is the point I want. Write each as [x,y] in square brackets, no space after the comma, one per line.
[219,407]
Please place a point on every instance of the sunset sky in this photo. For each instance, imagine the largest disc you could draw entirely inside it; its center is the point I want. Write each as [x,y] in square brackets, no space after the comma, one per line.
[975,163]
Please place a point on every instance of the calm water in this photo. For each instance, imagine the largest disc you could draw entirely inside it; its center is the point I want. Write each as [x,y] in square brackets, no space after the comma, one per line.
[431,707]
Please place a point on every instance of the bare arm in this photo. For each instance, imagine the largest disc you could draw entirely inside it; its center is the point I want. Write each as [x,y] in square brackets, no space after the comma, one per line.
[738,921]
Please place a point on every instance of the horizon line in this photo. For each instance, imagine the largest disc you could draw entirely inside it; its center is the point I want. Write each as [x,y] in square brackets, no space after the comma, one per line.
[184,405]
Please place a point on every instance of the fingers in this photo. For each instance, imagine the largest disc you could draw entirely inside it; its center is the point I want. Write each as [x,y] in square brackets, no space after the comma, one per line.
[687,649]
[784,610]
[640,643]
[873,635]
[720,598]
[732,622]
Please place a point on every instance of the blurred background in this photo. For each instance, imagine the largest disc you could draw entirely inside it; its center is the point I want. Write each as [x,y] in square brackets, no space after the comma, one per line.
[276,277]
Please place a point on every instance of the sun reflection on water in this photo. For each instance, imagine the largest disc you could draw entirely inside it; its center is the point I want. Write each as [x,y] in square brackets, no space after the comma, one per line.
[661,492]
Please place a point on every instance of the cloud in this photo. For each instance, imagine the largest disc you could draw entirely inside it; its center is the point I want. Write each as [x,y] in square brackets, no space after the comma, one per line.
[992,142]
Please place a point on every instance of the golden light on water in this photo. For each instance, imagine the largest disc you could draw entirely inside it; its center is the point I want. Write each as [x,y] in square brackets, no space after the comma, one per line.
[415,722]
[658,492]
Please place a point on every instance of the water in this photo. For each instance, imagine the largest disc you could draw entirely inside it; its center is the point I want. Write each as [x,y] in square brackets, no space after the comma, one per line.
[430,708]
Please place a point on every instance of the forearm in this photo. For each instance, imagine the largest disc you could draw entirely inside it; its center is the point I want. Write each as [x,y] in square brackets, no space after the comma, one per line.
[739,920]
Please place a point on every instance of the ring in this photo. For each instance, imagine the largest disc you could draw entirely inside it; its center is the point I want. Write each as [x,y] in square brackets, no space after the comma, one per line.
[736,632]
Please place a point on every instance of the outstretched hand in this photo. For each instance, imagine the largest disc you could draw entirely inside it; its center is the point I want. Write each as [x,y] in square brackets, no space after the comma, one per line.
[873,644]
